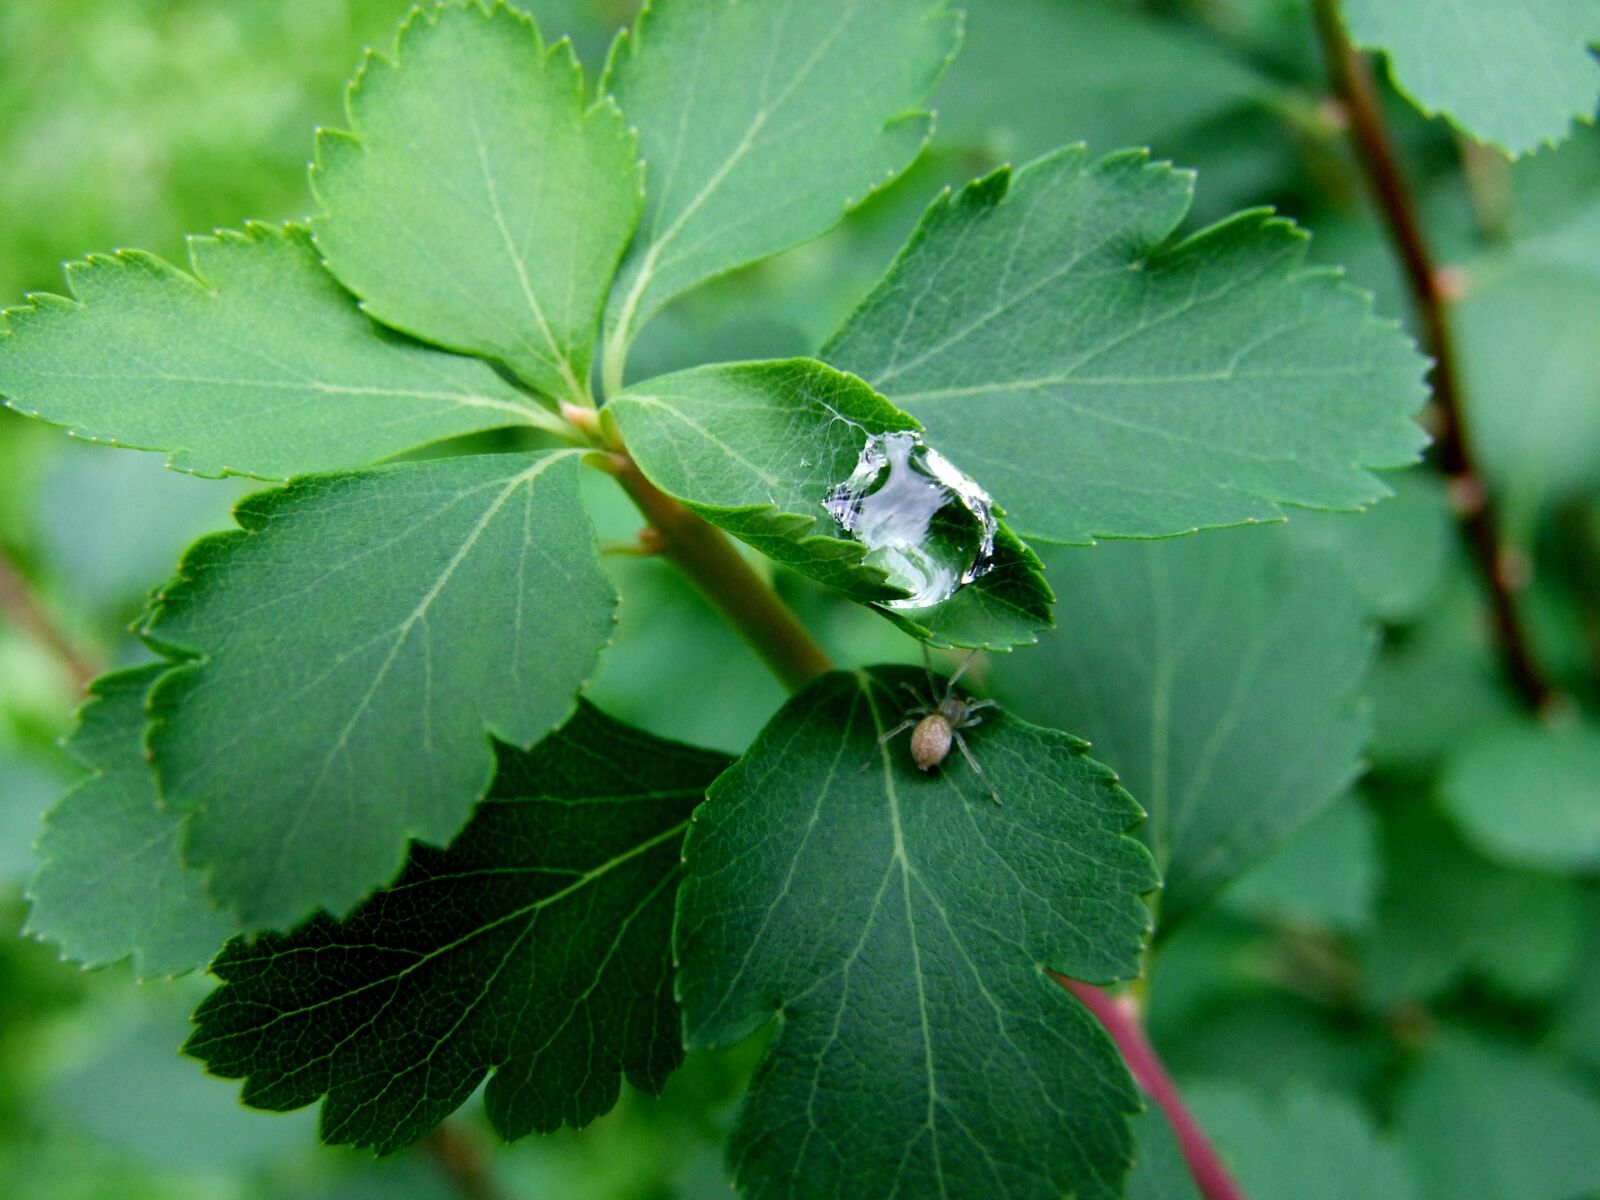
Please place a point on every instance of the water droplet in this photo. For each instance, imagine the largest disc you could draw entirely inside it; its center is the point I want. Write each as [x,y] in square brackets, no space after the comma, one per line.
[924,522]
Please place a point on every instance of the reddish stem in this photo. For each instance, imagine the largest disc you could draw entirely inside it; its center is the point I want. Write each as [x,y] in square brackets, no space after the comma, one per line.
[22,608]
[1120,1016]
[460,1160]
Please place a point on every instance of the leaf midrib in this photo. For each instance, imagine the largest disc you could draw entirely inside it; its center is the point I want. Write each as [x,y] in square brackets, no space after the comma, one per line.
[401,636]
[900,857]
[648,265]
[517,914]
[555,354]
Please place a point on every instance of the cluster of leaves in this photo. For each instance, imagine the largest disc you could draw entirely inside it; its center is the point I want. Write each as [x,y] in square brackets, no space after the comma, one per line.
[364,759]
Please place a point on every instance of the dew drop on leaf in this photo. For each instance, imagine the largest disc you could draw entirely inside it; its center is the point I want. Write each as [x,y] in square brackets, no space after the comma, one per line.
[924,522]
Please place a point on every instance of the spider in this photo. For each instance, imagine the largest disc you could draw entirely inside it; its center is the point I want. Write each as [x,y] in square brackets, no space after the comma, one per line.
[934,726]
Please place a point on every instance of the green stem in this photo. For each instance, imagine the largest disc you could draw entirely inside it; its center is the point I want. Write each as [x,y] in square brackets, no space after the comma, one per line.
[612,364]
[708,558]
[1379,162]
[711,561]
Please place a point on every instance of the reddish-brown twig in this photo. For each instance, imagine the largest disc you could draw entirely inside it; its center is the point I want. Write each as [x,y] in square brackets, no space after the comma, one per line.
[22,608]
[1120,1016]
[1375,153]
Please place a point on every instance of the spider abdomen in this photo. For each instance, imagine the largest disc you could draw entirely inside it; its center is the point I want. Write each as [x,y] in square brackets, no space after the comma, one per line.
[930,741]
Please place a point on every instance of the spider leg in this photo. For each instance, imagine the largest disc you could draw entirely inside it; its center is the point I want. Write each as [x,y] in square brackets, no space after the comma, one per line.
[898,729]
[927,669]
[961,744]
[950,688]
[895,732]
[922,702]
[977,704]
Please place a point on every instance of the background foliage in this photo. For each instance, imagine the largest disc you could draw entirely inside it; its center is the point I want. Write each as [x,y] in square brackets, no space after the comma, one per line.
[1406,992]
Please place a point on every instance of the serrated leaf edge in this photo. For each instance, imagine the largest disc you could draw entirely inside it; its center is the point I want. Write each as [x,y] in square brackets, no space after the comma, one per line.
[251,513]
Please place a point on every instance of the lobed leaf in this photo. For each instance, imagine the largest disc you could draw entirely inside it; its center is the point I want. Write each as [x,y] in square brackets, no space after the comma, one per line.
[1033,74]
[1529,795]
[1575,1031]
[1514,73]
[1445,916]
[761,122]
[1104,380]
[536,947]
[756,448]
[479,204]
[1531,377]
[1440,683]
[1324,875]
[1010,605]
[256,364]
[1159,1170]
[1486,1119]
[1304,1142]
[353,646]
[900,926]
[1399,552]
[1221,681]
[111,881]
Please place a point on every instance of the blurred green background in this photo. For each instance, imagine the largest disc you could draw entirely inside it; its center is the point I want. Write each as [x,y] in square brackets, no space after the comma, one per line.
[1409,980]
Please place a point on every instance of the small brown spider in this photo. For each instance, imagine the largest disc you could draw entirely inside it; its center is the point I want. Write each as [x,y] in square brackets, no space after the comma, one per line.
[934,726]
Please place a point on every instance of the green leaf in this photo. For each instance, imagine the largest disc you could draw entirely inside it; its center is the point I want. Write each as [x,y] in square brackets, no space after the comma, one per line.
[900,926]
[1484,1119]
[111,525]
[29,783]
[1304,1144]
[257,364]
[1513,73]
[1009,606]
[535,946]
[756,448]
[1034,74]
[354,647]
[1531,372]
[1267,1040]
[1105,380]
[1446,916]
[1576,1030]
[111,882]
[478,204]
[1440,683]
[1529,795]
[1326,874]
[1159,1171]
[1220,681]
[187,1121]
[760,124]
[1398,551]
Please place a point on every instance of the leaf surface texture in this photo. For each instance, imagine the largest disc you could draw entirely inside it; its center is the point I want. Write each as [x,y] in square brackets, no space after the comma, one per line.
[353,645]
[257,364]
[1106,380]
[535,946]
[899,925]
[479,203]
